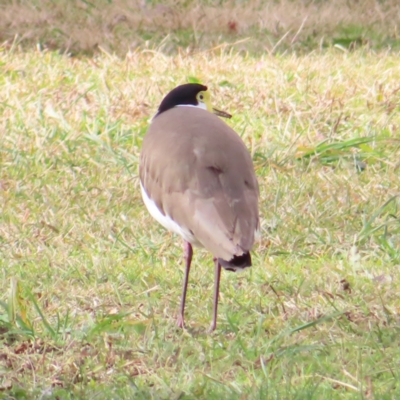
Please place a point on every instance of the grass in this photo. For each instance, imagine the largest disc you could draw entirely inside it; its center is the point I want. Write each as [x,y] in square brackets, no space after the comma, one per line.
[255,26]
[90,283]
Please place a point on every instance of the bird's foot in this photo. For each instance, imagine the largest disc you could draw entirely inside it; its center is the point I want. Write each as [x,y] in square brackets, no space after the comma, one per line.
[212,328]
[180,322]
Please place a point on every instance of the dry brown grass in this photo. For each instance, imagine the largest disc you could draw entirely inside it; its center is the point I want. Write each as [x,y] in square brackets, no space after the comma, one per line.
[123,25]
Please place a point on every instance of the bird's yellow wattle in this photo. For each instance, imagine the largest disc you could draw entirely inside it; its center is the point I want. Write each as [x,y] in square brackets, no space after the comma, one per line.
[204,99]
[207,101]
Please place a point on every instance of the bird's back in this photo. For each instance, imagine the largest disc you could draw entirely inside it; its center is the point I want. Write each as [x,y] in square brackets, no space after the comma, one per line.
[200,174]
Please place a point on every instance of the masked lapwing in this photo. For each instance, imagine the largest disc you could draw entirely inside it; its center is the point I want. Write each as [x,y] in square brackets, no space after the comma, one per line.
[197,179]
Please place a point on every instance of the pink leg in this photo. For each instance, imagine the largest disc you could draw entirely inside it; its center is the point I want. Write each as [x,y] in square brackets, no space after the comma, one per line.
[188,253]
[217,278]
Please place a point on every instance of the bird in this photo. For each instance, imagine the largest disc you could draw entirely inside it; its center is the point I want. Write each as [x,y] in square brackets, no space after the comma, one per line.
[197,179]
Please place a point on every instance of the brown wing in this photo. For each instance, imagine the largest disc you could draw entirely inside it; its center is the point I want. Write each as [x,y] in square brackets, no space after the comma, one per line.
[199,172]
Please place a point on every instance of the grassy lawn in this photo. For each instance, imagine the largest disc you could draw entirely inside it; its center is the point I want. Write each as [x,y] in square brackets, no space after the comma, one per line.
[90,284]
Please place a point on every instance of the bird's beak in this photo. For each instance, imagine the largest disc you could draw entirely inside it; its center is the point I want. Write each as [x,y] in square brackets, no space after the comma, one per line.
[222,114]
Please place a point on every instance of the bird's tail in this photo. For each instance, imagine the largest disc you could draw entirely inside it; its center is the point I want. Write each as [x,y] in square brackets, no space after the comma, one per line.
[236,263]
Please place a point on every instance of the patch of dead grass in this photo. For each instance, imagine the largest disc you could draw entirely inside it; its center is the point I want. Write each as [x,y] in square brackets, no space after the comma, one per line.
[121,26]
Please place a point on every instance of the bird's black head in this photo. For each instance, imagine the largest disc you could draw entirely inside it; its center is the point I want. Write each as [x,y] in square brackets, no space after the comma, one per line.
[187,94]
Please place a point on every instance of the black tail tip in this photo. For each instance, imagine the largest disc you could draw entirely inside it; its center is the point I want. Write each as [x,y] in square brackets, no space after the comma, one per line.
[237,262]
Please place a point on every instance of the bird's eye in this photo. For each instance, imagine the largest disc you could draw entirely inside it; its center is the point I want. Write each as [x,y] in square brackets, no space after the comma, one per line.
[201,97]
